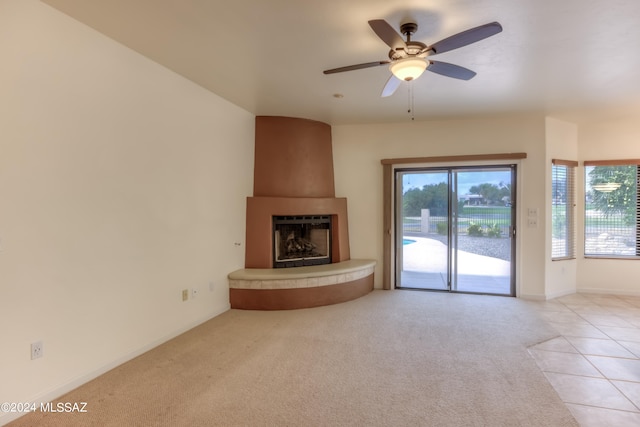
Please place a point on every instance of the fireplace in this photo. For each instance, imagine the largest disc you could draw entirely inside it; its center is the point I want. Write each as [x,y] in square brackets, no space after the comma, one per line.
[301,240]
[294,219]
[293,177]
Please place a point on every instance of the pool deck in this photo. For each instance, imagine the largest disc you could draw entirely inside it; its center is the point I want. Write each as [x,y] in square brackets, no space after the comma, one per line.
[425,266]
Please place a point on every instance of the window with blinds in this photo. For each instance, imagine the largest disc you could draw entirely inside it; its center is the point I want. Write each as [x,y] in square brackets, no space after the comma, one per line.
[612,205]
[563,204]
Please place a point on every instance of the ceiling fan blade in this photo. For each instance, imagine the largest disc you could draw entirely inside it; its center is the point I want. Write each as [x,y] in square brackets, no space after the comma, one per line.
[450,70]
[390,87]
[387,34]
[465,38]
[355,67]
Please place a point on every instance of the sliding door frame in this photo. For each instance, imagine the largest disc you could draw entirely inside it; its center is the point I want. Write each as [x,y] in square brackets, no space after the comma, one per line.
[388,192]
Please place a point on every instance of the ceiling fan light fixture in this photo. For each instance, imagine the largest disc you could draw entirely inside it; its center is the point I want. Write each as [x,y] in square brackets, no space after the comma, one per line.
[607,187]
[408,68]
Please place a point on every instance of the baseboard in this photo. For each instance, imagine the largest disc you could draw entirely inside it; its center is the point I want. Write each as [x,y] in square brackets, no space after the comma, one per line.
[559,294]
[532,297]
[546,297]
[76,382]
[608,291]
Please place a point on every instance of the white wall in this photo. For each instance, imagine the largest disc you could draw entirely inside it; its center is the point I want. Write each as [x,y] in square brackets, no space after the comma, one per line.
[358,149]
[562,143]
[607,140]
[121,184]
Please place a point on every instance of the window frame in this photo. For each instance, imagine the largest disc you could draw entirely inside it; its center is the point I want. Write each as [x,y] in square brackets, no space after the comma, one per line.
[623,162]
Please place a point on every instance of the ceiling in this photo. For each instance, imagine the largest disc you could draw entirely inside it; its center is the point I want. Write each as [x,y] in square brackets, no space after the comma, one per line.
[575,59]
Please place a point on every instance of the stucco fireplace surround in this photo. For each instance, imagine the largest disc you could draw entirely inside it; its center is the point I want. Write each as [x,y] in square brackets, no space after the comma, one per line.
[293,177]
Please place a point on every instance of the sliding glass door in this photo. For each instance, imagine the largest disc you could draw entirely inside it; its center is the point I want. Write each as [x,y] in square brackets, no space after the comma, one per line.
[424,210]
[454,229]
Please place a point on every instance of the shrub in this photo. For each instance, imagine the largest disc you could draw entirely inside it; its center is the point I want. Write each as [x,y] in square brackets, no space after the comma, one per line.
[494,231]
[475,230]
[442,228]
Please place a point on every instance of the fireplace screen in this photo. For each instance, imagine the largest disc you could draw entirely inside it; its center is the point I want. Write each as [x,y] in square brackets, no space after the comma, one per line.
[301,240]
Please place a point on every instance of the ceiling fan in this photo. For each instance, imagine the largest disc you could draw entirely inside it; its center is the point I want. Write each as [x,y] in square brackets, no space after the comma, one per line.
[409,59]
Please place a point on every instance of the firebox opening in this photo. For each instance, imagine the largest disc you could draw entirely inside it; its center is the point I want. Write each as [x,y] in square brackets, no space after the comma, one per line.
[301,240]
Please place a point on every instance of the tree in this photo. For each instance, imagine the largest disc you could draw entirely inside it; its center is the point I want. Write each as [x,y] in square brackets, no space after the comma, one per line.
[619,201]
[490,192]
[432,196]
[505,192]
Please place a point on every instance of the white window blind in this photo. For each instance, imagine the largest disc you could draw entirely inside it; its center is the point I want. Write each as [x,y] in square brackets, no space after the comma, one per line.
[563,204]
[612,206]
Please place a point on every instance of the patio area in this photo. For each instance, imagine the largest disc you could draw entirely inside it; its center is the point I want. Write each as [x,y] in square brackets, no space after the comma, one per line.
[424,266]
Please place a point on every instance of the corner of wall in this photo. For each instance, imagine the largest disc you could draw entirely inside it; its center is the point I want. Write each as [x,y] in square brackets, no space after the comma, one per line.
[561,142]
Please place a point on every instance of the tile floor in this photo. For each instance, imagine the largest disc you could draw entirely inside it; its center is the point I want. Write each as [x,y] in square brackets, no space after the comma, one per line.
[595,364]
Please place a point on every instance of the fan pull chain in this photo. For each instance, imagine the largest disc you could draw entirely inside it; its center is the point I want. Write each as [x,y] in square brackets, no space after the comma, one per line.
[410,100]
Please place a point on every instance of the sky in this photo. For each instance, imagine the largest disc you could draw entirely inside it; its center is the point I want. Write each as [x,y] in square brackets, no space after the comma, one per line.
[466,179]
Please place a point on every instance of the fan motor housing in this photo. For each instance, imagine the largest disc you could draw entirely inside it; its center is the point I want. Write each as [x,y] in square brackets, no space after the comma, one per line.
[408,28]
[412,49]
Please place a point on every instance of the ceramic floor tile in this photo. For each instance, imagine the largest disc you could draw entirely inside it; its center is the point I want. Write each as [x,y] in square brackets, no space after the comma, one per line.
[578,330]
[556,344]
[549,306]
[616,305]
[563,317]
[589,391]
[606,320]
[621,334]
[627,312]
[611,302]
[633,320]
[592,309]
[629,389]
[608,339]
[573,299]
[633,347]
[564,363]
[589,416]
[600,347]
[616,368]
[588,308]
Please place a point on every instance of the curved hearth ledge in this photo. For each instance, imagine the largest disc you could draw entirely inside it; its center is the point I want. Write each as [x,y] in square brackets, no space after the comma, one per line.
[300,287]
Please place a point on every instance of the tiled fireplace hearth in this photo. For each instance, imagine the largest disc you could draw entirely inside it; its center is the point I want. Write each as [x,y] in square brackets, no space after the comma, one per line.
[300,287]
[293,178]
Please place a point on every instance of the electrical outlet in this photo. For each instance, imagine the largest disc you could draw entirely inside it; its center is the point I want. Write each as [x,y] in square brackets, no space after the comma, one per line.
[37,350]
[194,293]
[185,294]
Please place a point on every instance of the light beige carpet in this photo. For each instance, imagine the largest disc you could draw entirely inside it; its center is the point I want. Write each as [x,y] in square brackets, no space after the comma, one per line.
[391,358]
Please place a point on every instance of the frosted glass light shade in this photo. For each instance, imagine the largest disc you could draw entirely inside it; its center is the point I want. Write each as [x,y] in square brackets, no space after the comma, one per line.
[408,68]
